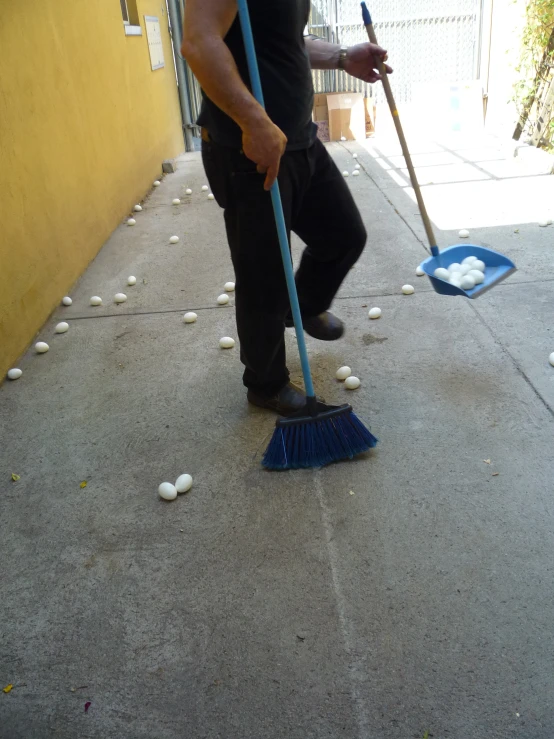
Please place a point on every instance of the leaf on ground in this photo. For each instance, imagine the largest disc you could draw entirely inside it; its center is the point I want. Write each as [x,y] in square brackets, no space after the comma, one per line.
[83,484]
[352,492]
[15,477]
[87,706]
[487,461]
[495,474]
[8,688]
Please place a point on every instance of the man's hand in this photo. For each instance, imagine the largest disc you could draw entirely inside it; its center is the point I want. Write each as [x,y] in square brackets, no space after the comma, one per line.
[362,61]
[264,143]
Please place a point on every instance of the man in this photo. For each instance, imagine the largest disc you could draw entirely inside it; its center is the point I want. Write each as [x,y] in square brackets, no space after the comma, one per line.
[244,148]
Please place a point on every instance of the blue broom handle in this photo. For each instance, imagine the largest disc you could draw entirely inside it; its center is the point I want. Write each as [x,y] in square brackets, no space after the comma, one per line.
[248,39]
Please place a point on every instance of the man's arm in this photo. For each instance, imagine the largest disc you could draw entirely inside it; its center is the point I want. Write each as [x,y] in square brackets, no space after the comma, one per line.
[206,24]
[361,59]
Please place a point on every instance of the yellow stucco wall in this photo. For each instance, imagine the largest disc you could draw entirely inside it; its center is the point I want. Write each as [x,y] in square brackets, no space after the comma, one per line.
[84,126]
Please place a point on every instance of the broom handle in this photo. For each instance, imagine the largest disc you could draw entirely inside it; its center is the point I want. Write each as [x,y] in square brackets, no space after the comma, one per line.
[403,143]
[249,47]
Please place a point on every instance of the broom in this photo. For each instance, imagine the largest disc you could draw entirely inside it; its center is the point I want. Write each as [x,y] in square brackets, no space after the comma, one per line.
[318,434]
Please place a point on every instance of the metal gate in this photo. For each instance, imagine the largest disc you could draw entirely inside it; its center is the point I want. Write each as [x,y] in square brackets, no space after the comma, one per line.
[427,41]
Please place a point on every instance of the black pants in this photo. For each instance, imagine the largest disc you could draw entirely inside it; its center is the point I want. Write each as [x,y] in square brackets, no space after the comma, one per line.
[319,208]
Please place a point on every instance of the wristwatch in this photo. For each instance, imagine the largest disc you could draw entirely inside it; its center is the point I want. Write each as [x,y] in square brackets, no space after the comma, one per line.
[342,57]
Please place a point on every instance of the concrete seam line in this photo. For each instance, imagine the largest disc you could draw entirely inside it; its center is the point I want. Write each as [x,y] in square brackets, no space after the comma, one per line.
[354,667]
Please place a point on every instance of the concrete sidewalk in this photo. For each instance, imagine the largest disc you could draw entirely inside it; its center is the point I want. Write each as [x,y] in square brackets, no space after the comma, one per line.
[404,592]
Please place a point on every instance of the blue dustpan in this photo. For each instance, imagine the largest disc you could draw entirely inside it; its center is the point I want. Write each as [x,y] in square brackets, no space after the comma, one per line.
[497,266]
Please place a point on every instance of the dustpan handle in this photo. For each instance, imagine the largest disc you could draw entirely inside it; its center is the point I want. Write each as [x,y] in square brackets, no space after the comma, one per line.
[403,143]
[248,38]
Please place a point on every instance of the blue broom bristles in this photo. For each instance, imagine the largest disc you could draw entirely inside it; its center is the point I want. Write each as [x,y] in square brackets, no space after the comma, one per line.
[317,442]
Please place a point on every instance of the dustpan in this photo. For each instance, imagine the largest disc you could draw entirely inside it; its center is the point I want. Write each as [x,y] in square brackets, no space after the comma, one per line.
[497,266]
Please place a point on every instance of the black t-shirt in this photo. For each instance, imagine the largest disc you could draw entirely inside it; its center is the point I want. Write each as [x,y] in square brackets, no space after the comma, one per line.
[278,28]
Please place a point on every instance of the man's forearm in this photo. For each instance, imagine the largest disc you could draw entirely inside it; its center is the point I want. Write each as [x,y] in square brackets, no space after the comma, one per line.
[322,54]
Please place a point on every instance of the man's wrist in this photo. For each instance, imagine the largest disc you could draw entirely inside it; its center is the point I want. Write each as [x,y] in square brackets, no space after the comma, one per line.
[341,60]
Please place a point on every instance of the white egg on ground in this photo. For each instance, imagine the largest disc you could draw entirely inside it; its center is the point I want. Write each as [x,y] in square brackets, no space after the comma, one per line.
[550,359]
[357,166]
[478,276]
[67,300]
[229,287]
[95,300]
[442,273]
[204,188]
[345,173]
[190,317]
[463,233]
[119,298]
[211,197]
[343,138]
[175,201]
[469,260]
[479,264]
[352,383]
[41,347]
[226,342]
[408,289]
[354,156]
[188,191]
[156,183]
[356,173]
[419,271]
[131,280]
[454,267]
[543,224]
[62,327]
[167,491]
[15,373]
[223,299]
[173,239]
[343,372]
[131,221]
[375,313]
[137,208]
[467,282]
[183,483]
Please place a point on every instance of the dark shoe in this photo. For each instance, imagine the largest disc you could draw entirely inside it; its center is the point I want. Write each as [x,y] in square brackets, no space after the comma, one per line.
[288,400]
[325,327]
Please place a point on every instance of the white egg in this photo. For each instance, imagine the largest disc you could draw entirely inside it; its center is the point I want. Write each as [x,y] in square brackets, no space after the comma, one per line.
[351,383]
[15,373]
[480,265]
[156,183]
[188,191]
[173,239]
[343,372]
[204,188]
[41,347]
[229,286]
[183,483]
[455,279]
[543,224]
[175,201]
[357,166]
[442,273]
[138,208]
[67,300]
[131,280]
[356,173]
[131,221]
[223,299]
[420,271]
[211,197]
[375,313]
[167,491]
[190,317]
[343,138]
[464,269]
[119,298]
[96,300]
[226,342]
[354,156]
[469,260]
[478,277]
[408,289]
[463,233]
[467,282]
[455,267]
[62,327]
[550,359]
[345,173]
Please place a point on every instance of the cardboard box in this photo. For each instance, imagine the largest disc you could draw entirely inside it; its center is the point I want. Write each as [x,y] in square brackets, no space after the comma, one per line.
[346,116]
[370,115]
